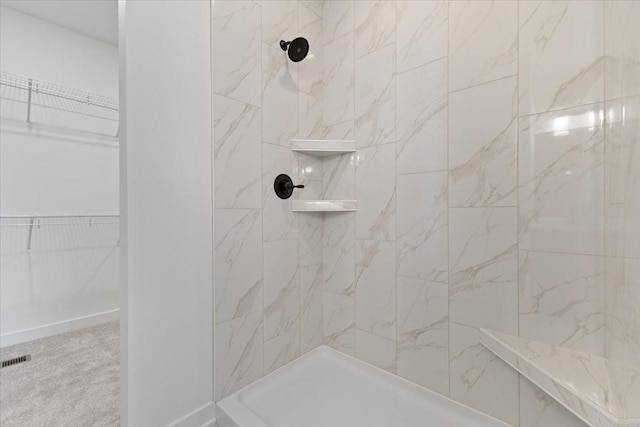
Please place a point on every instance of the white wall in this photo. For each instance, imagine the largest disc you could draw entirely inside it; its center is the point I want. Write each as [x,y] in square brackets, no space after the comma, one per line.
[50,174]
[167,210]
[70,277]
[48,52]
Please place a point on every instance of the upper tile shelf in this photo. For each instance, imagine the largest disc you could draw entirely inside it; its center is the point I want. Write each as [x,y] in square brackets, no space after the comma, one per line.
[323,147]
[602,392]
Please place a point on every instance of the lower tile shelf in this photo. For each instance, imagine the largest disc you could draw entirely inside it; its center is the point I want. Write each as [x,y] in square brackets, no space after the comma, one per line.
[324,205]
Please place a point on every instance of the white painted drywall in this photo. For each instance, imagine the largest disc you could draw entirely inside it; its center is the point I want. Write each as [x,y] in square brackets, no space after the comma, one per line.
[96,18]
[70,278]
[166,191]
[54,175]
[55,54]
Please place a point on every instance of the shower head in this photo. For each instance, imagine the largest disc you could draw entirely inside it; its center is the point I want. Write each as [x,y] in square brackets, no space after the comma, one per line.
[298,48]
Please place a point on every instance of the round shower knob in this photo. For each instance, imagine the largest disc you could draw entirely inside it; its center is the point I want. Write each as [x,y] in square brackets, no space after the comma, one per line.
[283,185]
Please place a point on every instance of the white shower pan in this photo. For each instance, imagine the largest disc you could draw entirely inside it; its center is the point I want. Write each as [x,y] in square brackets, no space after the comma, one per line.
[326,388]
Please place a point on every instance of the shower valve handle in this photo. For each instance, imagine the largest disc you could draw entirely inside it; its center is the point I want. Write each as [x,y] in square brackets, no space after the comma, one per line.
[283,186]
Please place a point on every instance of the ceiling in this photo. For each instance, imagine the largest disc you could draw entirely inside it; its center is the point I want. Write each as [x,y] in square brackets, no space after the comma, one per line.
[95,18]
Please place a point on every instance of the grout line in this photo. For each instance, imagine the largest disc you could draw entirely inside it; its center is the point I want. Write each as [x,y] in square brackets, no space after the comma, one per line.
[423,172]
[448,200]
[558,110]
[213,206]
[484,83]
[605,169]
[297,166]
[430,62]
[232,98]
[395,187]
[262,182]
[517,142]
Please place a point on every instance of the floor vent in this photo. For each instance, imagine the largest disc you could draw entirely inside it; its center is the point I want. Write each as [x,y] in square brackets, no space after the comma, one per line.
[16,360]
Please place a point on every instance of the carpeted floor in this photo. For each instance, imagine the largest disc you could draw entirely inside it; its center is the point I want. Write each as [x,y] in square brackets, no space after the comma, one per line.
[72,380]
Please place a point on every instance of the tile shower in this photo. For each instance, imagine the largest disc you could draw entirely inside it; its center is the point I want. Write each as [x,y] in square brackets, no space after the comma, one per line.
[497,179]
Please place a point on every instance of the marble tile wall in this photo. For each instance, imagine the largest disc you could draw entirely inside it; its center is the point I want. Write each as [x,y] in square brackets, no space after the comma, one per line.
[496,175]
[268,276]
[622,181]
[494,208]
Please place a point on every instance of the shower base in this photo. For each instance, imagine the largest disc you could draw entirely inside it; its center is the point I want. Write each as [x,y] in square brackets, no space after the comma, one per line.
[326,388]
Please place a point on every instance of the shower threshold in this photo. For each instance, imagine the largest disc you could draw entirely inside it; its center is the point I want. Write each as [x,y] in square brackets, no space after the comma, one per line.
[326,388]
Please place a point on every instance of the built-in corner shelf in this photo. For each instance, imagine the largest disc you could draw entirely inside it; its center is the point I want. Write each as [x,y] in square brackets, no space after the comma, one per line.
[323,147]
[600,391]
[324,205]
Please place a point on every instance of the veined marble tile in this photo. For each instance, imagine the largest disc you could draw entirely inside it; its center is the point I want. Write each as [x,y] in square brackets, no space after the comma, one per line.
[622,336]
[281,288]
[614,308]
[311,242]
[236,27]
[279,222]
[376,350]
[614,237]
[338,322]
[376,193]
[310,27]
[279,21]
[422,221]
[423,333]
[632,319]
[561,180]
[479,378]
[483,145]
[338,65]
[538,409]
[311,124]
[279,96]
[237,154]
[375,104]
[375,24]
[339,177]
[338,19]
[343,130]
[281,350]
[622,47]
[239,353]
[421,32]
[483,262]
[238,272]
[311,303]
[316,6]
[617,162]
[619,149]
[483,38]
[623,177]
[339,253]
[421,119]
[549,78]
[310,169]
[562,300]
[311,191]
[376,287]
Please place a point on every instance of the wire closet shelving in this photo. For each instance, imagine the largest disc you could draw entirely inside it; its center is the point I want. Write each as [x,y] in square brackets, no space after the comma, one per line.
[56,231]
[37,103]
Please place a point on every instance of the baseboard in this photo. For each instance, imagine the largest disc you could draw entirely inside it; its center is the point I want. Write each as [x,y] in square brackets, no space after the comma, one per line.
[205,416]
[70,325]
